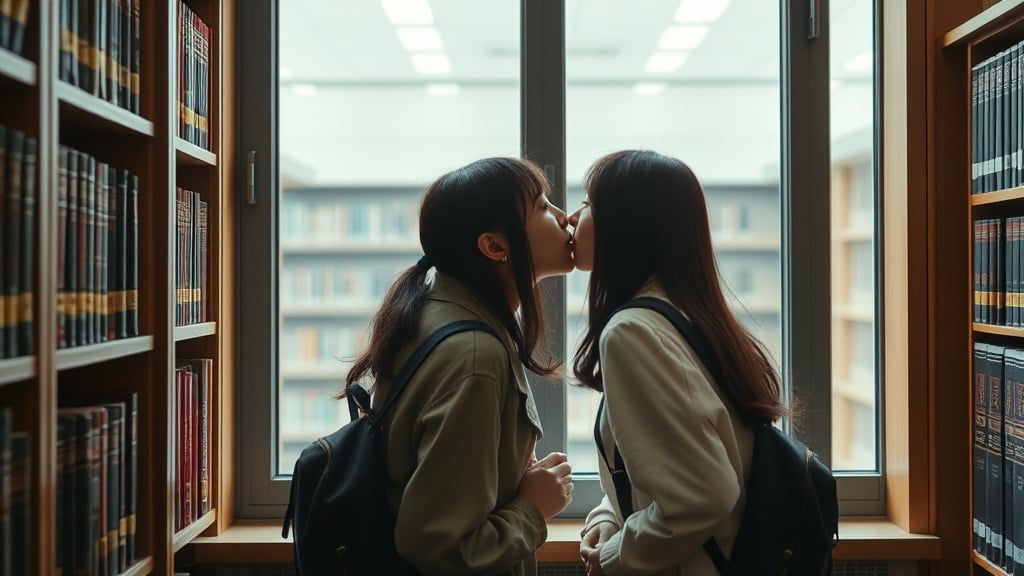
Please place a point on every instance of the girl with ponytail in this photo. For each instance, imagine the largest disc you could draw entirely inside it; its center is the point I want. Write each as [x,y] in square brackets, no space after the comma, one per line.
[468,494]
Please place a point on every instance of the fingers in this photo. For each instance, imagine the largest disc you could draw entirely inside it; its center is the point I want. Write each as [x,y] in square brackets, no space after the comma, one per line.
[561,470]
[552,459]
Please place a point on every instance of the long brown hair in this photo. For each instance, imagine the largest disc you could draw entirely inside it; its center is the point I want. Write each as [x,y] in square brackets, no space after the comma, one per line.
[490,195]
[651,222]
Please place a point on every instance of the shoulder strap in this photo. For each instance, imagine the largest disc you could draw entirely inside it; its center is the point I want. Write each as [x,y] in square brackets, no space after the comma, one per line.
[620,478]
[699,343]
[362,398]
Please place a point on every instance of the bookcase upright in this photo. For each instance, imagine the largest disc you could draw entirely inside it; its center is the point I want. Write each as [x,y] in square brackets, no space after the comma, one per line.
[40,98]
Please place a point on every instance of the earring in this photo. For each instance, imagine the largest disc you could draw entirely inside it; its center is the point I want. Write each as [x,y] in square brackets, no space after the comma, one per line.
[504,259]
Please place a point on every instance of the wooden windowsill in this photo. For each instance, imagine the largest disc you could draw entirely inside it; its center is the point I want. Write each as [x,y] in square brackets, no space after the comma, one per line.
[251,542]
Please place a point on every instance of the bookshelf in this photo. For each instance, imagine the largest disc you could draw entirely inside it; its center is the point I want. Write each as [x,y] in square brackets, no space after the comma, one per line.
[38,99]
[988,47]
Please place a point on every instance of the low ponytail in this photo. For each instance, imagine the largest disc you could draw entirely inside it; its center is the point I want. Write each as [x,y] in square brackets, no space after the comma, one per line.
[395,321]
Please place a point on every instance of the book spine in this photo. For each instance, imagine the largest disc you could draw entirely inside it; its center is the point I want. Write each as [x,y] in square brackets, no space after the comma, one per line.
[26,319]
[21,505]
[12,281]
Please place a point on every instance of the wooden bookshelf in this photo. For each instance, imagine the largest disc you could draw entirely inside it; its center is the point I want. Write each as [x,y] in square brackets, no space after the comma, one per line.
[995,30]
[39,102]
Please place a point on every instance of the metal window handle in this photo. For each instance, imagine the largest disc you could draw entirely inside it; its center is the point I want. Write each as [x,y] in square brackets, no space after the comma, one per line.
[813,22]
[250,186]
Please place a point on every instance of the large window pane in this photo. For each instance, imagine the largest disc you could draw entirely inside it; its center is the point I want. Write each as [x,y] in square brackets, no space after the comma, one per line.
[376,100]
[699,80]
[854,381]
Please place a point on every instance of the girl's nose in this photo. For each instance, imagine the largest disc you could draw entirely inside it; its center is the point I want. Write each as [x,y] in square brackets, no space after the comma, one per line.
[563,220]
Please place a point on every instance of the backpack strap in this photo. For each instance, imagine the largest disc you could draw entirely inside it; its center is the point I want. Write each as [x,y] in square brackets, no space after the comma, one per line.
[362,398]
[623,487]
[700,345]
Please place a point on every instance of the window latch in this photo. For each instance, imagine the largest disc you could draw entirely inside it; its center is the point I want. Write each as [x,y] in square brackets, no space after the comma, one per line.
[813,22]
[250,184]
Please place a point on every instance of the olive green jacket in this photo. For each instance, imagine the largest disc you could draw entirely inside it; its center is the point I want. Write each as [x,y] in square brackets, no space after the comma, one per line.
[459,439]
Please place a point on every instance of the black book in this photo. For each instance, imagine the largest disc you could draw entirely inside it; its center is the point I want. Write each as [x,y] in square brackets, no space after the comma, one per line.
[85,51]
[71,299]
[19,24]
[64,428]
[3,240]
[21,509]
[62,232]
[132,318]
[135,60]
[26,323]
[113,258]
[124,55]
[1009,454]
[102,194]
[115,488]
[113,52]
[980,452]
[5,28]
[121,282]
[5,490]
[85,168]
[131,476]
[12,226]
[995,454]
[65,57]
[974,128]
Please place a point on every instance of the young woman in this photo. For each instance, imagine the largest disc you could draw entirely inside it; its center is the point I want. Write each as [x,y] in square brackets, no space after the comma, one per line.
[468,494]
[643,231]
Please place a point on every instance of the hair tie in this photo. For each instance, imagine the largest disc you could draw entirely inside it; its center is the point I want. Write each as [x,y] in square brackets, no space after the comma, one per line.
[425,262]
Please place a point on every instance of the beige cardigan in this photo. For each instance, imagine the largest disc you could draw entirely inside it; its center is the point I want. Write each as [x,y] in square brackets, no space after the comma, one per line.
[687,454]
[458,442]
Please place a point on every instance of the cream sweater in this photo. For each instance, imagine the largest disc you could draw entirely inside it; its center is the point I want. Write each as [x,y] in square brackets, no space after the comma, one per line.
[687,454]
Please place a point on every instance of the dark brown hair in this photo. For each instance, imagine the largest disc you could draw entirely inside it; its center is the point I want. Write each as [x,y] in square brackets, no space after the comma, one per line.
[650,222]
[490,195]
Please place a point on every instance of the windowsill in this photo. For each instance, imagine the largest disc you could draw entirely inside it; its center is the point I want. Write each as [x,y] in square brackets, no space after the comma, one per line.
[260,542]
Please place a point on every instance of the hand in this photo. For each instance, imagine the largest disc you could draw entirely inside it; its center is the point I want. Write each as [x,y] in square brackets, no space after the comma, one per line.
[548,484]
[590,545]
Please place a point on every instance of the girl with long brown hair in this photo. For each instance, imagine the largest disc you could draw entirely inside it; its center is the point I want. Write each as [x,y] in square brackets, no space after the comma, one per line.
[643,232]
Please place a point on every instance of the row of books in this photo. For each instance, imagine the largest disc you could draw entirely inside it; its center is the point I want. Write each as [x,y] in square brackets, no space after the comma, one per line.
[97,251]
[312,285]
[14,24]
[351,221]
[998,269]
[193,390]
[997,129]
[97,485]
[191,258]
[193,77]
[322,347]
[18,153]
[15,498]
[99,48]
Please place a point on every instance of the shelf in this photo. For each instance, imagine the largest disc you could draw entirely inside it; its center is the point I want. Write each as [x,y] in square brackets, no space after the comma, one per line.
[95,353]
[17,369]
[142,567]
[998,330]
[985,22]
[987,566]
[314,375]
[997,197]
[351,249]
[92,112]
[194,331]
[17,69]
[190,532]
[328,311]
[189,153]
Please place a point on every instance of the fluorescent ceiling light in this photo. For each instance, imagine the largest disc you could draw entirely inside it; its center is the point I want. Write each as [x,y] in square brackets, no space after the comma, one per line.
[443,89]
[419,39]
[664,62]
[700,10]
[649,88]
[431,63]
[285,72]
[862,62]
[304,89]
[408,12]
[682,37]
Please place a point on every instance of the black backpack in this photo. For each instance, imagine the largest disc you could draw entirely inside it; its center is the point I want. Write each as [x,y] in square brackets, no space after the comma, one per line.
[791,522]
[338,509]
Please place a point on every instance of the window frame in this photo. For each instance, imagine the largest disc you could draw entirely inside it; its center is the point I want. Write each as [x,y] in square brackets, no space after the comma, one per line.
[805,254]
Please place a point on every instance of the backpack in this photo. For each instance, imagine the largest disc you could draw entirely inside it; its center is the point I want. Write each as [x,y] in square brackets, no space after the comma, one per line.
[791,520]
[338,508]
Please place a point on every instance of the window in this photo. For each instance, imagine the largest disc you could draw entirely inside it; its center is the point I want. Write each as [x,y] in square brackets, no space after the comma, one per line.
[369,102]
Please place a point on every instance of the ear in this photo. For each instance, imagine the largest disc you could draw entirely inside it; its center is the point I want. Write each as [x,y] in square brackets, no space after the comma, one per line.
[493,245]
